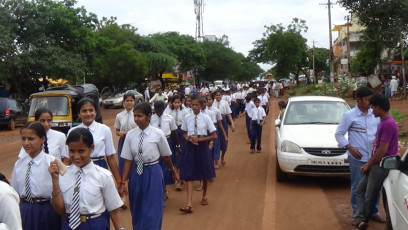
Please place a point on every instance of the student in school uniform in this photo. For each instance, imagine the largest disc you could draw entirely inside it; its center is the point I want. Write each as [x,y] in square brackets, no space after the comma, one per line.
[85,191]
[55,139]
[187,104]
[257,115]
[264,100]
[249,104]
[165,123]
[32,181]
[178,113]
[10,217]
[102,136]
[142,149]
[196,162]
[216,148]
[124,122]
[225,111]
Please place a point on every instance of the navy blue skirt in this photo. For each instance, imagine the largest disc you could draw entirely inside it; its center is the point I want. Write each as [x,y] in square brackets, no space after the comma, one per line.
[223,143]
[99,223]
[217,144]
[120,159]
[167,176]
[102,163]
[197,162]
[146,197]
[174,157]
[40,216]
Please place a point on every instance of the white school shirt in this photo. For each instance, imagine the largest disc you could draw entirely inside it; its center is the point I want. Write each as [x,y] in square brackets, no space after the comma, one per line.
[223,106]
[217,113]
[204,124]
[96,193]
[209,113]
[257,113]
[249,106]
[122,118]
[179,114]
[10,211]
[55,142]
[167,109]
[40,178]
[226,98]
[102,137]
[263,99]
[154,145]
[167,123]
[188,110]
[244,93]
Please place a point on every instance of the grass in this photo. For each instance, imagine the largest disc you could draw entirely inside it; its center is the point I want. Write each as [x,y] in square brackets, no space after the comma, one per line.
[397,115]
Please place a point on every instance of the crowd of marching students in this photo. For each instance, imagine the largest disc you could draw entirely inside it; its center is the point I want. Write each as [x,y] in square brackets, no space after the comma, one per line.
[178,142]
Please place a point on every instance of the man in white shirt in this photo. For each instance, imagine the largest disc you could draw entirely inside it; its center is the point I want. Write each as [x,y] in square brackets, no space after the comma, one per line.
[147,94]
[159,96]
[393,86]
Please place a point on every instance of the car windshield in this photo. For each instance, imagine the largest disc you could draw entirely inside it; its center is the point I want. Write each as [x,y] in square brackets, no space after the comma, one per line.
[314,112]
[57,105]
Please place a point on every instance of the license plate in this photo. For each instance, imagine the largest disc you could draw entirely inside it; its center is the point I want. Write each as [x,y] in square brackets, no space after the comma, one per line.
[326,162]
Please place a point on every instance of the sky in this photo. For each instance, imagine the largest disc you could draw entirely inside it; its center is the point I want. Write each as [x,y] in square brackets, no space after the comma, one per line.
[242,21]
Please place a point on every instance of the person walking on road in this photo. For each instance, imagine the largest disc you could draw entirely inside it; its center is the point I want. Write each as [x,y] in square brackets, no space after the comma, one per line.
[361,126]
[225,111]
[85,191]
[394,87]
[142,149]
[385,144]
[197,162]
[147,94]
[32,181]
[124,122]
[257,116]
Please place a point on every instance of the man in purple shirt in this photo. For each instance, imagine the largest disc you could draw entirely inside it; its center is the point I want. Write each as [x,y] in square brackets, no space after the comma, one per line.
[385,144]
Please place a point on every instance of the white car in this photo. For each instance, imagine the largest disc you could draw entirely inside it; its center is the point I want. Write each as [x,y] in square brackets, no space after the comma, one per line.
[395,192]
[304,138]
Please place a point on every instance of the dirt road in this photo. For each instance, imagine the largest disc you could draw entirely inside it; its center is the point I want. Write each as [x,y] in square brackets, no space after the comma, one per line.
[245,194]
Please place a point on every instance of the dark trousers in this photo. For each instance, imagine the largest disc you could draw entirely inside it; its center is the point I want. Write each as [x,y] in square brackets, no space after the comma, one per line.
[266,109]
[248,125]
[256,133]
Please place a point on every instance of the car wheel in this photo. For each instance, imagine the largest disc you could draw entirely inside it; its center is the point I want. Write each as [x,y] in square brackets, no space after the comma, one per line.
[12,124]
[280,175]
[388,224]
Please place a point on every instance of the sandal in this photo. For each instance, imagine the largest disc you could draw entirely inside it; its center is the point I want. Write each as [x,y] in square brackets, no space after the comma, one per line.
[252,151]
[223,162]
[204,201]
[187,209]
[361,226]
[178,187]
[199,188]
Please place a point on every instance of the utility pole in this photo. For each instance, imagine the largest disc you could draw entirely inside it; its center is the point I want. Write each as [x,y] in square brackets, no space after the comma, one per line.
[199,10]
[404,82]
[331,59]
[314,72]
[348,18]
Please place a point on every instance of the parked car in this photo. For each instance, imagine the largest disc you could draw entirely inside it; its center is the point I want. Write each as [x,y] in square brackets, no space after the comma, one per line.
[395,192]
[304,138]
[117,100]
[12,113]
[285,82]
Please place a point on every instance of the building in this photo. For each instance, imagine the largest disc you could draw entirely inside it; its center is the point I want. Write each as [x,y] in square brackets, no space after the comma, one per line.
[343,41]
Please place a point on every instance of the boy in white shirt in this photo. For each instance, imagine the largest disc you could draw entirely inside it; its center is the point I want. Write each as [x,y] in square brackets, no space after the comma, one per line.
[257,115]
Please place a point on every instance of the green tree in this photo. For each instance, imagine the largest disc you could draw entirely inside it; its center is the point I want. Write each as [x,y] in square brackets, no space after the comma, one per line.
[361,64]
[121,65]
[285,48]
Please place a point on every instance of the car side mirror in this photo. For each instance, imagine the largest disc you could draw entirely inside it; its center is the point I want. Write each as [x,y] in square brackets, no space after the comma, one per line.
[278,122]
[391,162]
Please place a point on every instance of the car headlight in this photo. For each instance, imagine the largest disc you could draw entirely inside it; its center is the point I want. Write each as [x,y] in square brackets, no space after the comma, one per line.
[290,147]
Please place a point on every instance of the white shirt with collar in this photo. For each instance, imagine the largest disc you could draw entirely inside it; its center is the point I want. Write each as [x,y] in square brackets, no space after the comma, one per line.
[209,113]
[223,106]
[55,142]
[122,118]
[264,99]
[97,190]
[154,145]
[226,98]
[217,113]
[40,178]
[10,211]
[166,122]
[204,124]
[179,114]
[102,137]
[257,113]
[249,106]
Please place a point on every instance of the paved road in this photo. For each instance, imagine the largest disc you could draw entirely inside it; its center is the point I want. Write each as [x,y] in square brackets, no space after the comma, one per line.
[245,194]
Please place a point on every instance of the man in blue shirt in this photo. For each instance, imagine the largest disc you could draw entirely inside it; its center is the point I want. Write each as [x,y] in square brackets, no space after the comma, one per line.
[361,126]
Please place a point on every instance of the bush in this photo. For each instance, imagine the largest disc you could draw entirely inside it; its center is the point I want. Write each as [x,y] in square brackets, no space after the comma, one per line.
[346,86]
[397,115]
